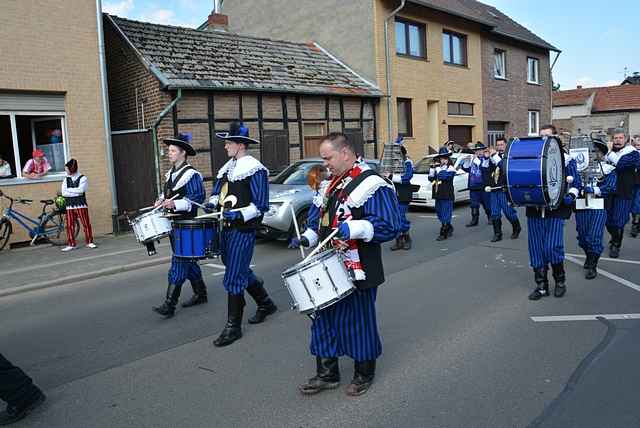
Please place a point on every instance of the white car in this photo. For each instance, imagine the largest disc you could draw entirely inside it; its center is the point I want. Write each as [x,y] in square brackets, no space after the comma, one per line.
[422,198]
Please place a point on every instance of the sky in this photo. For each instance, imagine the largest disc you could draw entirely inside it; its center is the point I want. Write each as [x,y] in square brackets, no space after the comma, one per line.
[598,39]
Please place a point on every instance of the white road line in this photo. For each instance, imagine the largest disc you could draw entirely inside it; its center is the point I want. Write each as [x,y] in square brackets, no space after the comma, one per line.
[609,275]
[435,216]
[221,267]
[582,256]
[586,317]
[215,266]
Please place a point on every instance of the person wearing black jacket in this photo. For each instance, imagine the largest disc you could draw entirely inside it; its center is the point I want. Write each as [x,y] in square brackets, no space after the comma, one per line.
[477,168]
[442,191]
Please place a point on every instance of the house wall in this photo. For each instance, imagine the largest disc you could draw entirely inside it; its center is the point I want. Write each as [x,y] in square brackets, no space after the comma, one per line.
[510,100]
[567,112]
[43,55]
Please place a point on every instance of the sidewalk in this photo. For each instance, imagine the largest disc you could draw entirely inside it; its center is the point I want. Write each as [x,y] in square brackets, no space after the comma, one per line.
[42,266]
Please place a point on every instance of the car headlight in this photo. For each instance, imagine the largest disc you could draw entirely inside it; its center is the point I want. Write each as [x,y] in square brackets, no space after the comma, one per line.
[274,207]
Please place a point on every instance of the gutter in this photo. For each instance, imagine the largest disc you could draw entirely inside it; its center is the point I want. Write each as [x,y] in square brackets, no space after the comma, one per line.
[551,79]
[342,64]
[107,117]
[387,67]
[154,136]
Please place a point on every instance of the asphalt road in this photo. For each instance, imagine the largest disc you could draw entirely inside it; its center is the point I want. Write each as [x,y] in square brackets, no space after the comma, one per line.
[460,347]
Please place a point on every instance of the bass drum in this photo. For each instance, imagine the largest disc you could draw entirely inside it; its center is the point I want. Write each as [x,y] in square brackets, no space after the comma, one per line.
[535,172]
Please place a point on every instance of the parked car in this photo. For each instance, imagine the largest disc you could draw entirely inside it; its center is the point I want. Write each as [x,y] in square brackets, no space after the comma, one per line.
[287,189]
[422,198]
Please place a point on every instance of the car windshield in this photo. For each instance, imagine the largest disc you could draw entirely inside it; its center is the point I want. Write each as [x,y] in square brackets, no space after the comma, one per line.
[422,167]
[297,173]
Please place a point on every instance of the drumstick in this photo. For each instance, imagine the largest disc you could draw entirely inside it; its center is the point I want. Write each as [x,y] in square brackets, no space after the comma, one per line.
[295,225]
[170,199]
[322,244]
[490,189]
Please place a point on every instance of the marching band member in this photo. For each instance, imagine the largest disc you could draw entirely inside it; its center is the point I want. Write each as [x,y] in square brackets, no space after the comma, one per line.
[186,182]
[477,168]
[590,222]
[498,197]
[442,191]
[241,190]
[402,184]
[363,207]
[545,233]
[626,159]
[635,207]
[317,180]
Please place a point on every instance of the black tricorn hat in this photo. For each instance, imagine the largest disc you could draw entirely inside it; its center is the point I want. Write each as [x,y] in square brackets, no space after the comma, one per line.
[182,141]
[238,133]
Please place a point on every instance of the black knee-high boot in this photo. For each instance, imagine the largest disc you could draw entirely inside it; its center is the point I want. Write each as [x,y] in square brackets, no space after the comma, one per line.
[168,308]
[233,329]
[327,377]
[591,266]
[559,277]
[265,305]
[516,229]
[635,225]
[475,217]
[199,294]
[443,233]
[364,372]
[542,284]
[497,230]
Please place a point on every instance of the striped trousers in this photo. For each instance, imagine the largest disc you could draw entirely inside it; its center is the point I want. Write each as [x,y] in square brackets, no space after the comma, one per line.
[618,215]
[72,215]
[546,241]
[237,251]
[348,327]
[635,206]
[500,204]
[480,197]
[405,224]
[590,228]
[444,210]
[183,269]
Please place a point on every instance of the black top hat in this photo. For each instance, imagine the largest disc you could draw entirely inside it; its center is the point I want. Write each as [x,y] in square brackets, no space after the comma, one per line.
[444,152]
[182,141]
[238,133]
[479,146]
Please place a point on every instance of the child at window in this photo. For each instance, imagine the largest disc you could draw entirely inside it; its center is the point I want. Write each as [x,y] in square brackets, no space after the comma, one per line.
[37,167]
[5,169]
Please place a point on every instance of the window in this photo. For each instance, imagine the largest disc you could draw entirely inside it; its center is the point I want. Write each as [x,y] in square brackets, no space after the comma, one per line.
[533,75]
[454,48]
[410,39]
[21,133]
[534,122]
[404,117]
[460,109]
[500,64]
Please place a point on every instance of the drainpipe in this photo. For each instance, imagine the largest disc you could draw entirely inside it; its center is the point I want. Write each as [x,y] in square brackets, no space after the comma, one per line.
[551,79]
[107,119]
[387,67]
[154,135]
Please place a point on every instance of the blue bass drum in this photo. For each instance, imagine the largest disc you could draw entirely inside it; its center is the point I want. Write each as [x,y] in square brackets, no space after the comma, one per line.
[534,171]
[196,239]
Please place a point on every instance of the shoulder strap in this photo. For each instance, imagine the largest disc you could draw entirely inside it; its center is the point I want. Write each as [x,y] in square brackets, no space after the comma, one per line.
[356,181]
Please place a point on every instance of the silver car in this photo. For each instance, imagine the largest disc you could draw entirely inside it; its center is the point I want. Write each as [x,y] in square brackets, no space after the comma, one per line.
[290,189]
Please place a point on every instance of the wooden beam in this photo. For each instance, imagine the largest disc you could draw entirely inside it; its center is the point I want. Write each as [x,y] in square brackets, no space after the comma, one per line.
[260,122]
[299,120]
[341,100]
[212,129]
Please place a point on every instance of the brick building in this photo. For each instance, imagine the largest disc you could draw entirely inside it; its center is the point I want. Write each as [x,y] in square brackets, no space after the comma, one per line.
[51,98]
[174,80]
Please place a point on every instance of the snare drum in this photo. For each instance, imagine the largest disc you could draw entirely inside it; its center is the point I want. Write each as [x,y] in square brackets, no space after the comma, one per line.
[150,227]
[534,171]
[318,283]
[196,239]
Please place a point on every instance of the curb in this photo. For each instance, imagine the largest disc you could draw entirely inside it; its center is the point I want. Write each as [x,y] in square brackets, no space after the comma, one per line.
[83,276]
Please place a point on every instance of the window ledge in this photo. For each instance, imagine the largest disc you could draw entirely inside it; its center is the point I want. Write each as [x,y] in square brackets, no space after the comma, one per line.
[466,116]
[50,178]
[500,78]
[413,57]
[453,64]
[534,83]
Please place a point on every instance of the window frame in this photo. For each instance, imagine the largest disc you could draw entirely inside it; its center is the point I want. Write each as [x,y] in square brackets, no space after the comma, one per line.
[503,54]
[54,176]
[459,104]
[537,124]
[422,28]
[464,53]
[409,133]
[537,70]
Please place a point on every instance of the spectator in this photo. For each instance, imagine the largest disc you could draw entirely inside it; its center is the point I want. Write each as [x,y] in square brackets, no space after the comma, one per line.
[74,187]
[5,169]
[37,167]
[18,391]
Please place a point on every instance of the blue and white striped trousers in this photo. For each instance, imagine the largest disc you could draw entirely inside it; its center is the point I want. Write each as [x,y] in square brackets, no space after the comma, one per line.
[618,215]
[499,203]
[635,206]
[405,224]
[348,327]
[444,210]
[237,251]
[183,269]
[480,197]
[546,241]
[590,228]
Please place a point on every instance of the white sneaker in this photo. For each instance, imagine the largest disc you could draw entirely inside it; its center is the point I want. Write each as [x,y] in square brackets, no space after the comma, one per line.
[68,248]
[91,245]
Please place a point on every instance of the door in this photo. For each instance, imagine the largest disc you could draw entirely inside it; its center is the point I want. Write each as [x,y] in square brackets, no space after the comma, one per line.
[134,170]
[461,135]
[275,149]
[496,130]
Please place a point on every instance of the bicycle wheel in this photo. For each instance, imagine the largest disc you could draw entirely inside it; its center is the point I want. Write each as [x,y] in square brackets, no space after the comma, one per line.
[5,232]
[55,224]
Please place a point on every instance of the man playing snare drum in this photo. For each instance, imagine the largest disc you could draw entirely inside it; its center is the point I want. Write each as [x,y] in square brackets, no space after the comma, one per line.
[184,184]
[363,207]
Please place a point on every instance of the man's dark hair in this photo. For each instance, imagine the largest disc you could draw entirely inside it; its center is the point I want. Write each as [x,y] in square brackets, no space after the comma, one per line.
[340,141]
[501,139]
[551,127]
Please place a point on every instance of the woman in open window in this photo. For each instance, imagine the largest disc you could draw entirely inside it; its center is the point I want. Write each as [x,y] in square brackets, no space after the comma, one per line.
[37,167]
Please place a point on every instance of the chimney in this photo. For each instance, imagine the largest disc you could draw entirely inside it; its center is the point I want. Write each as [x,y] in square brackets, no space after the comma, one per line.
[217,21]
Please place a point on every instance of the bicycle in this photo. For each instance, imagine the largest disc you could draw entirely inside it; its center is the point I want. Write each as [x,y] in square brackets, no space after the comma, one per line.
[49,226]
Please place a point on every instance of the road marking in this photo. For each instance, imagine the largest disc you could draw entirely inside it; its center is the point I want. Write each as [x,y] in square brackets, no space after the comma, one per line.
[582,256]
[435,216]
[609,275]
[215,266]
[222,267]
[586,317]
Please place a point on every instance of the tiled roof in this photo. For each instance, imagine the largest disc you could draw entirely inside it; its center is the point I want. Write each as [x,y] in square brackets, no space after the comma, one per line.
[192,59]
[610,98]
[487,15]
